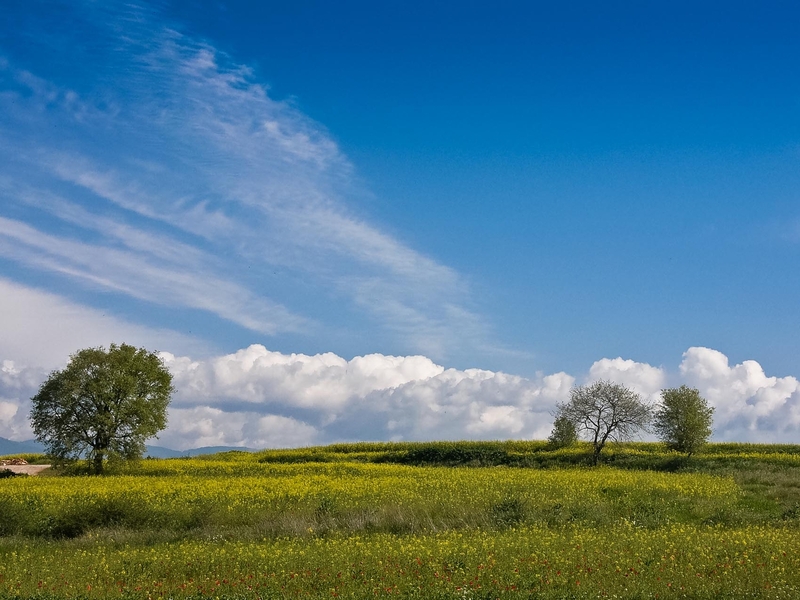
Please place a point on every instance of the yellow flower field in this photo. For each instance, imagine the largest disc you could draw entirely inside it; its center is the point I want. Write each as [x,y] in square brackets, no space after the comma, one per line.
[328,523]
[671,562]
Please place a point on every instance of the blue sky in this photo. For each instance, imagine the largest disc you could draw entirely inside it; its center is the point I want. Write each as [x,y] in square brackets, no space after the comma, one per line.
[523,188]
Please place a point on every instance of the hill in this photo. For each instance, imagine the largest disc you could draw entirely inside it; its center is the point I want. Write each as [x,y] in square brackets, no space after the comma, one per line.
[33,447]
[26,447]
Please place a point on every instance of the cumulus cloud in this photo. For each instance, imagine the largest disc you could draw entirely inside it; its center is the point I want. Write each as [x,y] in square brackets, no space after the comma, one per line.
[470,404]
[206,426]
[327,398]
[641,377]
[265,399]
[749,405]
[17,384]
[326,381]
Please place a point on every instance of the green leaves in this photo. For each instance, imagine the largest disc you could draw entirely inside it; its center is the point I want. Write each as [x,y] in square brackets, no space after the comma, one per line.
[683,421]
[564,433]
[104,404]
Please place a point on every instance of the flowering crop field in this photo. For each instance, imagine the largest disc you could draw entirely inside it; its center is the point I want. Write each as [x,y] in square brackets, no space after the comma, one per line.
[670,562]
[240,525]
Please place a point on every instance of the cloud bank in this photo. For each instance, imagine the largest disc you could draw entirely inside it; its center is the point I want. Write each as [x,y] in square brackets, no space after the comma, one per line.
[327,398]
[749,405]
[264,399]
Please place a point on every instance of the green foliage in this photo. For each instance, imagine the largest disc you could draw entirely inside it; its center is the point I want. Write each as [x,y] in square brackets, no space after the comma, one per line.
[564,433]
[510,511]
[683,421]
[236,526]
[103,405]
[605,411]
[30,458]
[716,457]
[531,561]
[452,454]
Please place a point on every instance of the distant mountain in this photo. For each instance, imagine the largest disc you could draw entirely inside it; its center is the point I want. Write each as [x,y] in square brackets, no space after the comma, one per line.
[161,452]
[26,447]
[32,447]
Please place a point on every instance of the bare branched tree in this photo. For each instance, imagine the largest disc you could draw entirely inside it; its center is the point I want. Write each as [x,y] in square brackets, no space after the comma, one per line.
[606,411]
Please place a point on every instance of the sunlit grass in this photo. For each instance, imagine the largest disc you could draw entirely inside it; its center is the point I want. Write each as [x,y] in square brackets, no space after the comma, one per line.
[367,520]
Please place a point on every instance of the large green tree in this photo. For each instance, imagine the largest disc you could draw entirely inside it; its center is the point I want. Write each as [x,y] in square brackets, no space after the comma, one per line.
[683,421]
[103,405]
[605,411]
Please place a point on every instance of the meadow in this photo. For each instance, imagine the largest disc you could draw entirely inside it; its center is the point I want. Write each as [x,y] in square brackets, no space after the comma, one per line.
[427,520]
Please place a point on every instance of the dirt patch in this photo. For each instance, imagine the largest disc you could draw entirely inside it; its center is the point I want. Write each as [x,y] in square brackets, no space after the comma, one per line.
[26,469]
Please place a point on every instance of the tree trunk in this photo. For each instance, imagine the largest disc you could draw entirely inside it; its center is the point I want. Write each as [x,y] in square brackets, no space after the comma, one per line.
[98,463]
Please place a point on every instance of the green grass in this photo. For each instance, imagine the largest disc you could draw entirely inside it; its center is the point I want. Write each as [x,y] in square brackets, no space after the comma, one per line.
[425,520]
[31,459]
[768,474]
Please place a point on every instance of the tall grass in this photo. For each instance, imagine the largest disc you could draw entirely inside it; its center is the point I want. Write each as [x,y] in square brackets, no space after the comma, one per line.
[257,499]
[424,520]
[675,561]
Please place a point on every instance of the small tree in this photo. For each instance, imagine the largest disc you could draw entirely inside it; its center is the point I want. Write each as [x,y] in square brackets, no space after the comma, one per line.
[605,411]
[683,421]
[564,433]
[104,404]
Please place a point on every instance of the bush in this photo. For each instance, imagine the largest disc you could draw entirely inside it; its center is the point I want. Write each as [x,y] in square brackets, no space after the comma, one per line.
[564,433]
[683,421]
[509,512]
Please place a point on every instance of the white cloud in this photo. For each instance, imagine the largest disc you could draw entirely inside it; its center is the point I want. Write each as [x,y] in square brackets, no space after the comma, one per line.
[260,398]
[17,385]
[41,329]
[206,426]
[7,411]
[468,404]
[376,397]
[274,431]
[367,397]
[325,381]
[14,423]
[176,179]
[641,377]
[749,405]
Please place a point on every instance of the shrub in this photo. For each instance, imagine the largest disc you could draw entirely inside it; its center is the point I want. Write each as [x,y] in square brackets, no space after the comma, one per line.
[564,433]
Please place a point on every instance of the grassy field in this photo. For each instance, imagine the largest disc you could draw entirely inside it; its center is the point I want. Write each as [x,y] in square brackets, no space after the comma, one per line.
[427,520]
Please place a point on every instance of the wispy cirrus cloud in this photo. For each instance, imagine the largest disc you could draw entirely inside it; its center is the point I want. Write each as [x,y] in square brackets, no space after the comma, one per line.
[129,271]
[41,329]
[175,178]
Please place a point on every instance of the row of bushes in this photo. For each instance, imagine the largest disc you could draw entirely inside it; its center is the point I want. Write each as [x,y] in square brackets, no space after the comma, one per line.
[540,454]
[536,454]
